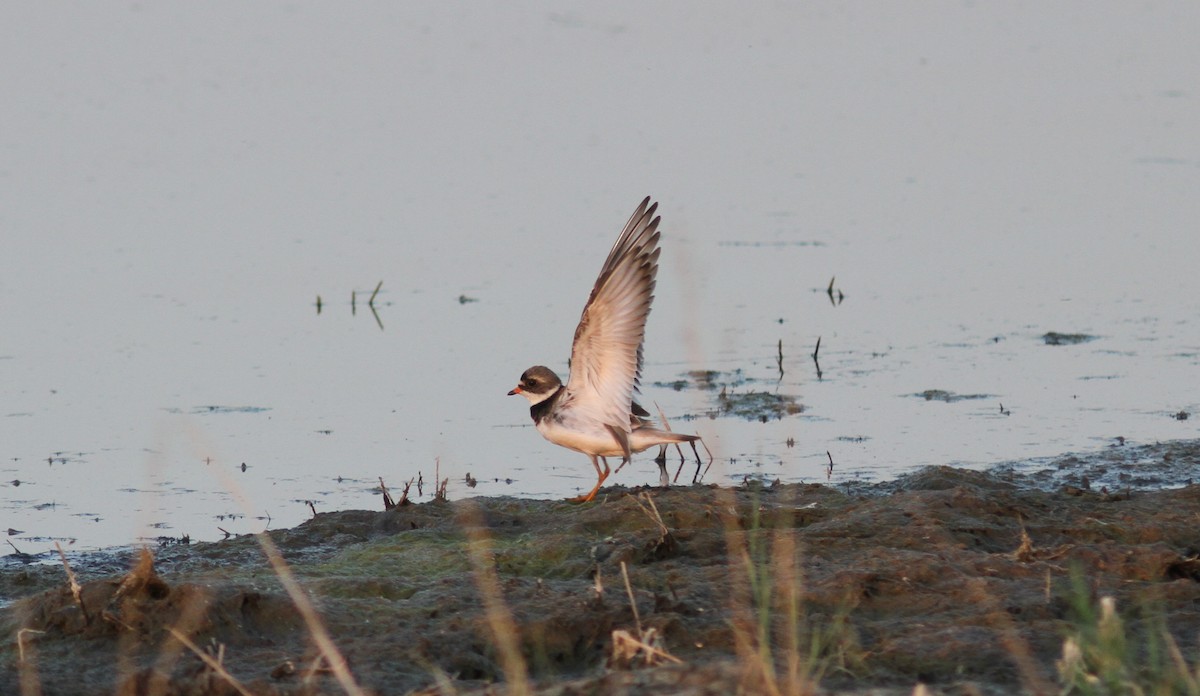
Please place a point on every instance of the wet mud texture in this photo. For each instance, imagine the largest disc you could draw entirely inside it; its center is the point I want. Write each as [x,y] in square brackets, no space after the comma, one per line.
[960,580]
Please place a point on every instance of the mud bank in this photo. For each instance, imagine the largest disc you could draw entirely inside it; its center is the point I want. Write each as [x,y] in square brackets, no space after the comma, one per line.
[965,581]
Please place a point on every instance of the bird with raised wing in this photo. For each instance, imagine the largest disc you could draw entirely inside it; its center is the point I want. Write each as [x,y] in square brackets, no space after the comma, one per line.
[595,412]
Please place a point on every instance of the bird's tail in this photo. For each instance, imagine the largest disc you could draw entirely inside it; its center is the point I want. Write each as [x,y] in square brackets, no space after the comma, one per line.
[645,437]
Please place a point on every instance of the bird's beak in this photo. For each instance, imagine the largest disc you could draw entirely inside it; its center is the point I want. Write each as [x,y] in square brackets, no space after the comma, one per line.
[515,390]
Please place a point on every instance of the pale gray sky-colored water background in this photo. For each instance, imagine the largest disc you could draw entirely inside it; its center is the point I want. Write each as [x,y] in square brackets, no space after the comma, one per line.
[178,183]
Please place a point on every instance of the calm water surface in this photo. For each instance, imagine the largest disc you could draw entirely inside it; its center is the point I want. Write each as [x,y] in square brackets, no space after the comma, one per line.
[179,184]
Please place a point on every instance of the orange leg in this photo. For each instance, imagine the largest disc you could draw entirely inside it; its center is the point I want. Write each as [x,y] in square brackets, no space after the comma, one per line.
[600,475]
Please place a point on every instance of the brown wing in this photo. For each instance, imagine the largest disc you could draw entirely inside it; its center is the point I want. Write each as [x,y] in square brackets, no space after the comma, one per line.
[606,357]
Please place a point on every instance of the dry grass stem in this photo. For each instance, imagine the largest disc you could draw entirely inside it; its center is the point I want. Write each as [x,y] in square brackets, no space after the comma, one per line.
[1192,681]
[499,618]
[30,684]
[1010,637]
[21,642]
[316,628]
[312,621]
[598,586]
[76,590]
[626,648]
[651,511]
[213,664]
[637,620]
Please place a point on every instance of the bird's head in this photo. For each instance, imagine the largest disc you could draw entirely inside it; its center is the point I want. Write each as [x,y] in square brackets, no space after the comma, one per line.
[537,384]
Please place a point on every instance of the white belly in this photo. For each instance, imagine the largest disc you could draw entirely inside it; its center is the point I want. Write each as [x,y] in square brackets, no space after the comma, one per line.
[589,441]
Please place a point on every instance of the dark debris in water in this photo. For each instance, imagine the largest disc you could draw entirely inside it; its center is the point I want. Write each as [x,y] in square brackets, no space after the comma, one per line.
[1055,338]
[216,408]
[948,396]
[758,405]
[750,404]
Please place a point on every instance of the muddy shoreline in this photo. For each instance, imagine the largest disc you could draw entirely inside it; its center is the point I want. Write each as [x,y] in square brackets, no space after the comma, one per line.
[967,582]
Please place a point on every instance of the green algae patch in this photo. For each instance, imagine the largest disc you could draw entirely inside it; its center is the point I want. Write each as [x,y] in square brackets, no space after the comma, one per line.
[411,555]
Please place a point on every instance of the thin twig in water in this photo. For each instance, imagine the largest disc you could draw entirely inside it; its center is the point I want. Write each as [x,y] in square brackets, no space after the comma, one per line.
[815,360]
[371,305]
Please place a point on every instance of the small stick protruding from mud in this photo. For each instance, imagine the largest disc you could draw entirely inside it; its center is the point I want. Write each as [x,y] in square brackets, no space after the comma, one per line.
[440,494]
[76,590]
[829,473]
[388,503]
[598,587]
[420,484]
[1024,552]
[779,360]
[312,507]
[666,541]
